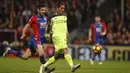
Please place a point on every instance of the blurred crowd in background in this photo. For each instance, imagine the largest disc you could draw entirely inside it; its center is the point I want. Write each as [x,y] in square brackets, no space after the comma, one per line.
[78,11]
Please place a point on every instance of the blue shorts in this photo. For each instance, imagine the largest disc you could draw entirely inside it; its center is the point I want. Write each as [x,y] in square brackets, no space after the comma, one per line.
[32,45]
[98,41]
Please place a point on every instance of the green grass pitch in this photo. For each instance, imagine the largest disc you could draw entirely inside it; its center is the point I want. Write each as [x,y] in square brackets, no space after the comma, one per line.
[16,65]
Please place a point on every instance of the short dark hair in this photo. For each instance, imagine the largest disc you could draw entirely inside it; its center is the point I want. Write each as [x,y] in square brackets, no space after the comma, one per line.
[40,6]
[97,15]
[60,3]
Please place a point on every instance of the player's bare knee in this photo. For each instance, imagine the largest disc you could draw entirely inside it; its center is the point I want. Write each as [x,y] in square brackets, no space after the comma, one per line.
[65,51]
[40,50]
[25,57]
[41,53]
[56,56]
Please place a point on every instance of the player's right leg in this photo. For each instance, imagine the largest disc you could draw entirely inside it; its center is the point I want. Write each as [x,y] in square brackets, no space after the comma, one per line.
[70,61]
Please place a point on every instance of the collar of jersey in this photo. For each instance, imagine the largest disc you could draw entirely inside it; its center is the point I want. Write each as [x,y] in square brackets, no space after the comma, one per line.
[58,14]
[39,16]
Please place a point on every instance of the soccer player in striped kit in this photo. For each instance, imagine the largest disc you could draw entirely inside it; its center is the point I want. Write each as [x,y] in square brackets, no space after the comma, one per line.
[38,23]
[96,33]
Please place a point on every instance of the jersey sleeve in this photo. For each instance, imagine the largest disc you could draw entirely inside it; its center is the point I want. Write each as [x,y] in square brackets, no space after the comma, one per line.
[91,26]
[103,26]
[31,20]
[47,20]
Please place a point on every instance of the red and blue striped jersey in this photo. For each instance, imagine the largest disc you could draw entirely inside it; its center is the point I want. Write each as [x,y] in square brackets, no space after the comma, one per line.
[38,24]
[97,29]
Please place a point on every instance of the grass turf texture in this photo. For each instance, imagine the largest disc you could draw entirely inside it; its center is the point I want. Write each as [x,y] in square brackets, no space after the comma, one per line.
[16,65]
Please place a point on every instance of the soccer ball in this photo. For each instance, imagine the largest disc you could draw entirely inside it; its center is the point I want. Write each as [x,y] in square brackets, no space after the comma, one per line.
[97,49]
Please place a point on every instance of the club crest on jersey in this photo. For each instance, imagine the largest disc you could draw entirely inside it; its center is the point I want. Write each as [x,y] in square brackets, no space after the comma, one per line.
[39,19]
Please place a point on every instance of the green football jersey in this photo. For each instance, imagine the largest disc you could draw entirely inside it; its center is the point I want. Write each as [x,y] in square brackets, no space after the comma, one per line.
[58,24]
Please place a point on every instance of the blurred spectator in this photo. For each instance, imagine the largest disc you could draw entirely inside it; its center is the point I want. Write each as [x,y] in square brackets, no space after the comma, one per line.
[4,24]
[78,12]
[118,33]
[4,21]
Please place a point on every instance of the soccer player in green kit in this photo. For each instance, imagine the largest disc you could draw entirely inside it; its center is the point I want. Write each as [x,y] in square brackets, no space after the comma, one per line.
[58,26]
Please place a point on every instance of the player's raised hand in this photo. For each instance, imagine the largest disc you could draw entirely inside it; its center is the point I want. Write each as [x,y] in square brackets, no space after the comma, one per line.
[47,35]
[22,37]
[102,34]
[89,40]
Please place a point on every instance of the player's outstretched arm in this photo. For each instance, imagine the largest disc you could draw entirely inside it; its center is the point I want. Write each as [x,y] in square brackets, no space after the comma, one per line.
[24,31]
[90,35]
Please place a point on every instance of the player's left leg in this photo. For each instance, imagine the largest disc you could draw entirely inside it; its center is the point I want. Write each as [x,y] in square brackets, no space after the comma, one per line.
[34,44]
[37,46]
[41,53]
[41,56]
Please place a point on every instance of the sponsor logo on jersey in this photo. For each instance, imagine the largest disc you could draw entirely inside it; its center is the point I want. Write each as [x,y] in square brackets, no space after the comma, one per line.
[42,24]
[39,19]
[98,30]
